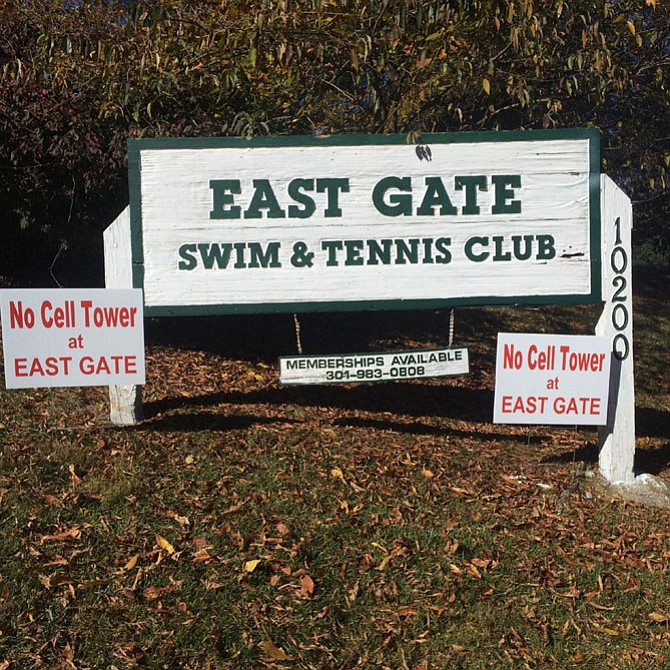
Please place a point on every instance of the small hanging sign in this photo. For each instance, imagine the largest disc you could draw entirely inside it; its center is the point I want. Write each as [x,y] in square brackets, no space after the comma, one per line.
[374,367]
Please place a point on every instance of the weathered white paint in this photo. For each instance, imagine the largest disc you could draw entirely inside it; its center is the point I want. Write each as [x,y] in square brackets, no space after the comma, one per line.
[374,366]
[176,200]
[617,438]
[125,400]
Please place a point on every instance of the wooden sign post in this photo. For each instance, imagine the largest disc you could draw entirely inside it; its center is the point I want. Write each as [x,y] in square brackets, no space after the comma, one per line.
[617,437]
[299,224]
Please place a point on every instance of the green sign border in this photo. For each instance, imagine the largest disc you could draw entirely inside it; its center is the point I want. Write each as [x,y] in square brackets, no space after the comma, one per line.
[135,146]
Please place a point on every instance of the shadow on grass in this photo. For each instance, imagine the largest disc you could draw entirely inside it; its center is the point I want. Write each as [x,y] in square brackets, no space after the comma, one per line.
[652,422]
[416,428]
[204,421]
[587,453]
[399,398]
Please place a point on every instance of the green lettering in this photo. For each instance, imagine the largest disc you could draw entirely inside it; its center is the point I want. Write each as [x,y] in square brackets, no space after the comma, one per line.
[264,259]
[239,251]
[545,247]
[332,186]
[376,253]
[442,245]
[435,195]
[470,252]
[427,250]
[295,191]
[354,248]
[190,262]
[222,195]
[499,255]
[503,194]
[263,199]
[332,247]
[398,205]
[471,185]
[528,246]
[214,253]
[405,252]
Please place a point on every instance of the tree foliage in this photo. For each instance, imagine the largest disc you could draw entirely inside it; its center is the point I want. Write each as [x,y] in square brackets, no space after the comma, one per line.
[79,78]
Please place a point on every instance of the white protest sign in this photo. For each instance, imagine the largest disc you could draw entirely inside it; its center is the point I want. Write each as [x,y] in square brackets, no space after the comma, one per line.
[552,379]
[78,337]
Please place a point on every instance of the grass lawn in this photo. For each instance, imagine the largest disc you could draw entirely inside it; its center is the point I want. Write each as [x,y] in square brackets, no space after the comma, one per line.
[247,525]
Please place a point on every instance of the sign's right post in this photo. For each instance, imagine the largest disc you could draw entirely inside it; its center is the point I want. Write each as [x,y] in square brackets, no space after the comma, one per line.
[617,437]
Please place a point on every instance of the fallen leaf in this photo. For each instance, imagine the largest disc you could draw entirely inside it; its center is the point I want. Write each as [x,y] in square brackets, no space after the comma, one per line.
[71,534]
[472,569]
[164,544]
[658,617]
[384,563]
[283,529]
[306,586]
[250,566]
[212,586]
[131,563]
[273,651]
[202,556]
[154,592]
[74,479]
[95,582]
[59,560]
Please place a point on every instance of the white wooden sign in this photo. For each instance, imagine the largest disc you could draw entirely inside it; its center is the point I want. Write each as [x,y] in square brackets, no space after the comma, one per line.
[552,379]
[79,337]
[225,225]
[373,367]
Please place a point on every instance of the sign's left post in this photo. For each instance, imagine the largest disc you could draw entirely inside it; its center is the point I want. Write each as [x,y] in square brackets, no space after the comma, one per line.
[125,400]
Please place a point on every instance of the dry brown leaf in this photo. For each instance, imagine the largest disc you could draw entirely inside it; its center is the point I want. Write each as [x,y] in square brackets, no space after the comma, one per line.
[202,556]
[213,586]
[70,534]
[74,479]
[273,651]
[93,583]
[306,586]
[657,617]
[283,529]
[154,592]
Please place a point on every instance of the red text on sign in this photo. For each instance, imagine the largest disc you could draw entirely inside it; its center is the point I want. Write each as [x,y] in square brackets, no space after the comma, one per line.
[111,317]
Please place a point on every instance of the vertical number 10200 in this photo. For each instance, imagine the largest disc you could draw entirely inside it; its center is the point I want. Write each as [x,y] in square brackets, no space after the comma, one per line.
[620,315]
